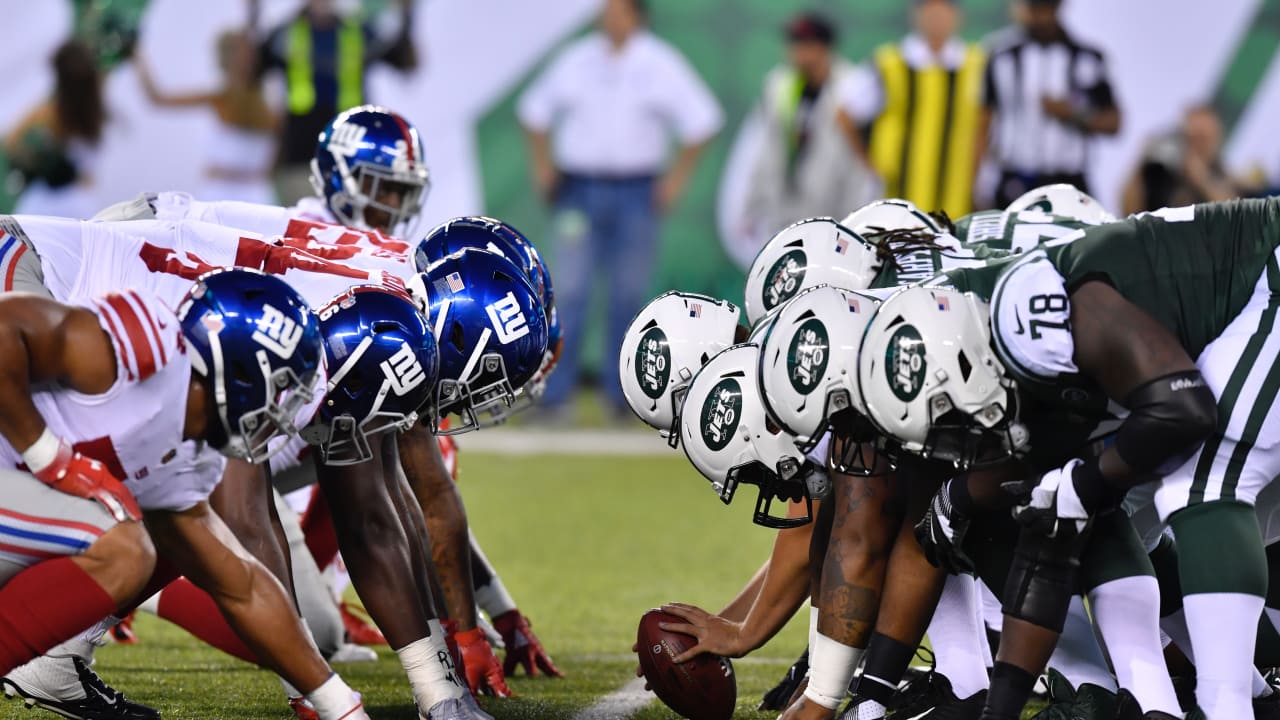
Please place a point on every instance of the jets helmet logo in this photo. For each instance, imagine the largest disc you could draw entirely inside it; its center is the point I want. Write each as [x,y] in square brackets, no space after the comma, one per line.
[783,279]
[904,363]
[721,412]
[347,139]
[807,356]
[403,370]
[277,332]
[653,363]
[508,321]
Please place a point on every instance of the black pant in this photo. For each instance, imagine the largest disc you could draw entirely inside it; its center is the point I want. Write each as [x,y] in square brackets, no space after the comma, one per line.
[1014,184]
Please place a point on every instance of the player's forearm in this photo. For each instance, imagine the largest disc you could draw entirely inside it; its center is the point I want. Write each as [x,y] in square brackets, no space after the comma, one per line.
[784,587]
[856,558]
[20,422]
[264,617]
[446,522]
[738,608]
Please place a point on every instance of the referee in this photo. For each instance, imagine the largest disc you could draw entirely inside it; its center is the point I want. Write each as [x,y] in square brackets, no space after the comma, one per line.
[1047,96]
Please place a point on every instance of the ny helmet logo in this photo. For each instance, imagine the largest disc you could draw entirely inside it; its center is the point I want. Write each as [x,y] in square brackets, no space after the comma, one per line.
[507,319]
[403,370]
[347,138]
[277,333]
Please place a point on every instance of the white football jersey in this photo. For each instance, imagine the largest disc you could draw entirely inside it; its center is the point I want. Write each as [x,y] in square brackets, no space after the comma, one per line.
[309,219]
[135,427]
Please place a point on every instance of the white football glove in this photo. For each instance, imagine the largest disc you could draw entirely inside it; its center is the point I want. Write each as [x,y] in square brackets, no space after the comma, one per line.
[1050,505]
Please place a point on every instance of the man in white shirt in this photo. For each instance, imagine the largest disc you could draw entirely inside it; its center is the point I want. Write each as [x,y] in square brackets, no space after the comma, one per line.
[600,122]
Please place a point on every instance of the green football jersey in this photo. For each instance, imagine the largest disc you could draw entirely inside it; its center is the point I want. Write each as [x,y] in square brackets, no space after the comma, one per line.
[1013,232]
[1192,268]
[927,262]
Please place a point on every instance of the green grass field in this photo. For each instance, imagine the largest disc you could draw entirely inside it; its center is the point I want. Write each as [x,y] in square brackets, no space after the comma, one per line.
[586,544]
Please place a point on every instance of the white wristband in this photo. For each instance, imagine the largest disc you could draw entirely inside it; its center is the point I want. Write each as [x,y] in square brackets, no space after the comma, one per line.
[831,666]
[813,627]
[42,452]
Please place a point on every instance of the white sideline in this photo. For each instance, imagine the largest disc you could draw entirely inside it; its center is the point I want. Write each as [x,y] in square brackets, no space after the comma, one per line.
[620,704]
[530,441]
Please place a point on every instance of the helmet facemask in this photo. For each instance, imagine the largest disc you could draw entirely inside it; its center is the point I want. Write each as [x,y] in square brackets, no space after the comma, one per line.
[483,398]
[251,437]
[786,484]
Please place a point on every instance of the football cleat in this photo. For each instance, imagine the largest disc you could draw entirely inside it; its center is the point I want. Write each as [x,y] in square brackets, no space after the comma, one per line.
[303,709]
[122,632]
[930,695]
[1088,702]
[461,708]
[779,698]
[53,683]
[352,653]
[359,629]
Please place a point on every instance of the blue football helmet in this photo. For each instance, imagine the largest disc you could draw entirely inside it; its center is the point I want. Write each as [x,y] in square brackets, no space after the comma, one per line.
[491,330]
[383,363]
[258,345]
[367,159]
[501,238]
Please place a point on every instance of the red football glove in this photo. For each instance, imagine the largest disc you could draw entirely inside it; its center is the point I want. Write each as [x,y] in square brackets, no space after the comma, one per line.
[484,674]
[523,647]
[74,474]
[451,643]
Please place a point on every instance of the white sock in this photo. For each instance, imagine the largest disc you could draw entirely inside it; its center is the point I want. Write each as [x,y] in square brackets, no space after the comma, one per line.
[956,636]
[335,701]
[492,598]
[429,666]
[1078,656]
[1175,626]
[980,621]
[1223,629]
[1127,613]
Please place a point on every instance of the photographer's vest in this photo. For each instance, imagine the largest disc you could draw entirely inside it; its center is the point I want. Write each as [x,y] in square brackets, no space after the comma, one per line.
[300,74]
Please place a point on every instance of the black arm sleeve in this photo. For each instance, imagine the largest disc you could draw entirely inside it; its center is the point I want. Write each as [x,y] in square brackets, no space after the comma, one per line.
[1169,418]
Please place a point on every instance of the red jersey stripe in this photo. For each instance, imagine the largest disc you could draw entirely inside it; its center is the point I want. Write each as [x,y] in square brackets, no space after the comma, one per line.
[138,339]
[151,323]
[122,348]
[408,136]
[13,265]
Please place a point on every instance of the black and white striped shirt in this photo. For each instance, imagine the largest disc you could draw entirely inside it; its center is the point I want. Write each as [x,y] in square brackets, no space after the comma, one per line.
[1020,73]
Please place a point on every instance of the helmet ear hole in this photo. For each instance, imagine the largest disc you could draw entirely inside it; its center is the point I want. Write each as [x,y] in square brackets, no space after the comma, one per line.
[501,276]
[457,337]
[384,326]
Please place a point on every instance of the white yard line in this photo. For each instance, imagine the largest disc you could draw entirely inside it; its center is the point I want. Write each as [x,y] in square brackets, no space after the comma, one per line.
[529,441]
[620,704]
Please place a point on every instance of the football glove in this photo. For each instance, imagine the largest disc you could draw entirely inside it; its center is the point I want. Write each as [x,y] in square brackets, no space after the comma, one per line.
[74,474]
[941,534]
[523,647]
[1050,505]
[484,674]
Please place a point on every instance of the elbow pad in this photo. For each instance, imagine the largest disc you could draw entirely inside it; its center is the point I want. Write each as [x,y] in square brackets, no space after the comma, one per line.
[1169,418]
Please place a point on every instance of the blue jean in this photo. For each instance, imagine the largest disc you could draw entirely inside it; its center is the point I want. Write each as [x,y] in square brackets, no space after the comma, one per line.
[605,229]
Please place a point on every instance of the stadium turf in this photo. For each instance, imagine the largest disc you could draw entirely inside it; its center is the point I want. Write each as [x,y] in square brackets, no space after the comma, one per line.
[585,544]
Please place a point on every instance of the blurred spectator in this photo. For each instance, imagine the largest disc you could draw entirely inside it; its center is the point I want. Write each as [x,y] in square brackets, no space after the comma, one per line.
[805,167]
[1047,96]
[612,100]
[1182,167]
[921,105]
[56,146]
[238,157]
[325,55]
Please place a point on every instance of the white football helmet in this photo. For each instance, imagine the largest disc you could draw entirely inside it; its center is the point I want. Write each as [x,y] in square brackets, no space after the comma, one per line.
[885,215]
[817,251]
[931,381]
[809,361]
[727,437]
[1064,200]
[673,336]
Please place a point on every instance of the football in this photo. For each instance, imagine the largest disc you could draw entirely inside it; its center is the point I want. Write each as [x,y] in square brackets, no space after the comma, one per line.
[704,688]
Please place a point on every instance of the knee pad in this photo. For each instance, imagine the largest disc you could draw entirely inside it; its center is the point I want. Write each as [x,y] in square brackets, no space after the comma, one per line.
[1042,579]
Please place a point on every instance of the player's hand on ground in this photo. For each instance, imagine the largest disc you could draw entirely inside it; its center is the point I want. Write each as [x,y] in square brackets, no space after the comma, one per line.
[74,474]
[484,673]
[941,534]
[714,634]
[780,696]
[806,709]
[523,647]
